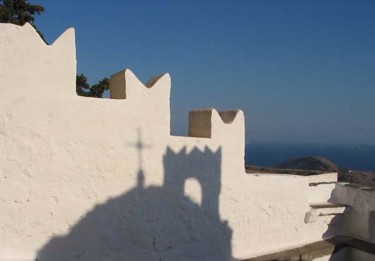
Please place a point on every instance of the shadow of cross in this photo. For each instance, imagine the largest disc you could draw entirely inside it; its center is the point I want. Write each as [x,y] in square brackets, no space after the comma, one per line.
[140,146]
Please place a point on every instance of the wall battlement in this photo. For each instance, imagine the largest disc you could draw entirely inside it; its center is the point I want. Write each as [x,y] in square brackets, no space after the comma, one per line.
[44,63]
[124,84]
[208,123]
[104,179]
[24,45]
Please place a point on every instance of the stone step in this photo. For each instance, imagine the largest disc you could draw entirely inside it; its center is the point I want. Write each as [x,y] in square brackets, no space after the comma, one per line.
[324,211]
[327,249]
[324,208]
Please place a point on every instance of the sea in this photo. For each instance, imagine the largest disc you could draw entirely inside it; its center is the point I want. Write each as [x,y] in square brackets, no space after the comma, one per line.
[355,157]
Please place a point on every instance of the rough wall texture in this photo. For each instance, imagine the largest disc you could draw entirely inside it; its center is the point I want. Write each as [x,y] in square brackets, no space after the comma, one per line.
[101,179]
[359,222]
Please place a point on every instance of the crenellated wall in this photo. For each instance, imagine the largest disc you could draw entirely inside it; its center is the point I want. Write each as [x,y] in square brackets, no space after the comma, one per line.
[103,179]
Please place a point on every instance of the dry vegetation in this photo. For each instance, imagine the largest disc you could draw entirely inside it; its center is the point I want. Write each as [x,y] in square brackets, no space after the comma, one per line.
[316,165]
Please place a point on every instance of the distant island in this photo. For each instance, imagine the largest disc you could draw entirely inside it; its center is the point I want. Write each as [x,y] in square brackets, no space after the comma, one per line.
[315,165]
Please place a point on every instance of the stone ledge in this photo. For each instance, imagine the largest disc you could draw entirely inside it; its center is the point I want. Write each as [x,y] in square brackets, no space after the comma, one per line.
[318,249]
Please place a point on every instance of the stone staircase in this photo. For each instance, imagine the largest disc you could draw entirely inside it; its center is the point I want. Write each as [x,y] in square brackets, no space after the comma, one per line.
[355,241]
[322,205]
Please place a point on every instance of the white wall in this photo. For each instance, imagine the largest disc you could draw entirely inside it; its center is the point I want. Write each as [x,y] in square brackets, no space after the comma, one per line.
[74,182]
[359,221]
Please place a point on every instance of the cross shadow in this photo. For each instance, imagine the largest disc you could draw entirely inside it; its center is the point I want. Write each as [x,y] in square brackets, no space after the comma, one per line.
[155,222]
[140,146]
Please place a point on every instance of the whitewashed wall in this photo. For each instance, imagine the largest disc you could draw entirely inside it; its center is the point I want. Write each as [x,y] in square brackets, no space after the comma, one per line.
[100,179]
[359,221]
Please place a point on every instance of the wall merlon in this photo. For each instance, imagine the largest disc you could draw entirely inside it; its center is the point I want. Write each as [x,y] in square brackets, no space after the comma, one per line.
[159,80]
[31,31]
[124,85]
[209,123]
[117,85]
[28,63]
[67,38]
[229,116]
[200,124]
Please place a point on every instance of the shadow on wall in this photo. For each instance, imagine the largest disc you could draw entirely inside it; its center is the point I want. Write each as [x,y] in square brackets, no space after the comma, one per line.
[334,233]
[154,223]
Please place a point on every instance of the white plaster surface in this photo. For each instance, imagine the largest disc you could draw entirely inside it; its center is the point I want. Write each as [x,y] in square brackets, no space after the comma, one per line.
[321,192]
[323,178]
[359,221]
[102,179]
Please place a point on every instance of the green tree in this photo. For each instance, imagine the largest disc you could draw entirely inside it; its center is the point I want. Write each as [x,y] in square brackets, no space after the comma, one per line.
[19,12]
[82,87]
[96,90]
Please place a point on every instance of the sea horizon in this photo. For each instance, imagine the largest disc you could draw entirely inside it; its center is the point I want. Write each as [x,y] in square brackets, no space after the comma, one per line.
[350,156]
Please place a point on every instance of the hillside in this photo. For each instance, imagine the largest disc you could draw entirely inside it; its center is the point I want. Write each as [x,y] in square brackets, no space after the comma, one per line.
[315,165]
[309,163]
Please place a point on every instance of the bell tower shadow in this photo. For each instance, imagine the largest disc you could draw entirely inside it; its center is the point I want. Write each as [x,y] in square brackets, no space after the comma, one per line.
[202,166]
[154,222]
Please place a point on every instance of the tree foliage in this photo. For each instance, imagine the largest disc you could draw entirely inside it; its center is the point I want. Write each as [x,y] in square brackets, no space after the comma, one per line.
[96,90]
[19,12]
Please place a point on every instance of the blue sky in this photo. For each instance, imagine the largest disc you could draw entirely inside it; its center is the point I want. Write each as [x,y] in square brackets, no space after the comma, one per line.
[302,71]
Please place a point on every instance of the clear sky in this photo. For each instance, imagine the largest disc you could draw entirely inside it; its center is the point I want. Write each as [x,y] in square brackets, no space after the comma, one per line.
[302,71]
